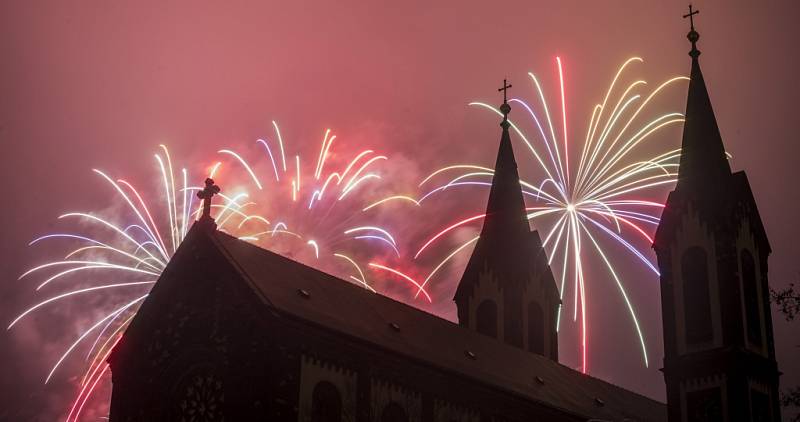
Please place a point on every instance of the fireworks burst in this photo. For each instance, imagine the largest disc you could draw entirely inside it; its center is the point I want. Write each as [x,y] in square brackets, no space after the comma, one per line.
[329,218]
[320,215]
[580,208]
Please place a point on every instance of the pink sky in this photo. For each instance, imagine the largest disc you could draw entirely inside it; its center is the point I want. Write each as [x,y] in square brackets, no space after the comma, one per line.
[103,83]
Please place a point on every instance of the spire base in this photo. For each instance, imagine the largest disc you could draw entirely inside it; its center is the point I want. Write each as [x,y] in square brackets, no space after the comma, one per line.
[693,37]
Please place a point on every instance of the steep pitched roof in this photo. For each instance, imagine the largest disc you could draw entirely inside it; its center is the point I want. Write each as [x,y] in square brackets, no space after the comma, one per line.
[349,310]
[505,210]
[505,244]
[703,162]
[721,198]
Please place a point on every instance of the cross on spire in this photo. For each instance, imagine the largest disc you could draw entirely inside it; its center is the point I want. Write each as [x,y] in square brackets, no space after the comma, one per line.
[505,87]
[690,15]
[505,108]
[693,36]
[206,194]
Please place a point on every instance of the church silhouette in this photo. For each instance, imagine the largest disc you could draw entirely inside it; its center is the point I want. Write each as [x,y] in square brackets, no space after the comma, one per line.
[234,332]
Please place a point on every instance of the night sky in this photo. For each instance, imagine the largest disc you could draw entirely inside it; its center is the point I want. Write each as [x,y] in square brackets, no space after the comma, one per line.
[101,85]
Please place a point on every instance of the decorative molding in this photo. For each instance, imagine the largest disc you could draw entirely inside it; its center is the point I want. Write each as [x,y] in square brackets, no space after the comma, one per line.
[385,392]
[315,370]
[691,385]
[446,412]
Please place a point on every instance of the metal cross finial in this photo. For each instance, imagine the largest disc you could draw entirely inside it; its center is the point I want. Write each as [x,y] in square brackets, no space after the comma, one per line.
[206,194]
[505,87]
[693,36]
[505,108]
[690,15]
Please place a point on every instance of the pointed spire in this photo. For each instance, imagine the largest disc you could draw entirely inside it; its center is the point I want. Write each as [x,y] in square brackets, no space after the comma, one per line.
[505,211]
[703,163]
[505,236]
[508,255]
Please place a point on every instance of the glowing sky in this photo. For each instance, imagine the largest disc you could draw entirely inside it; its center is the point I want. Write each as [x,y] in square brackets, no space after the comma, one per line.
[103,84]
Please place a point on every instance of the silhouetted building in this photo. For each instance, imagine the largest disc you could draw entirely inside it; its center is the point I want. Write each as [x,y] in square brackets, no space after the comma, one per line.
[234,332]
[719,356]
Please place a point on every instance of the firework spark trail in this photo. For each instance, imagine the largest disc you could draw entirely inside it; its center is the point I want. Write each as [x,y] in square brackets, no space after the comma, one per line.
[403,276]
[93,378]
[591,201]
[133,254]
[363,279]
[89,331]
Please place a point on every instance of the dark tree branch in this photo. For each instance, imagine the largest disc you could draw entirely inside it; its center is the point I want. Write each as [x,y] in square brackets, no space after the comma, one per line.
[787,300]
[791,398]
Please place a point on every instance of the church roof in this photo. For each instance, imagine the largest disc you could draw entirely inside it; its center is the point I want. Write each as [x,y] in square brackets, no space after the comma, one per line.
[349,310]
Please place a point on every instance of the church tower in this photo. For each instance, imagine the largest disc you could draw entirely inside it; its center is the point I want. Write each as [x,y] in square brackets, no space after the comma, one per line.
[507,290]
[712,250]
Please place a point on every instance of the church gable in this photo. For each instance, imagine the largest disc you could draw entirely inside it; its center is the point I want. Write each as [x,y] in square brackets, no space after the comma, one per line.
[198,284]
[186,342]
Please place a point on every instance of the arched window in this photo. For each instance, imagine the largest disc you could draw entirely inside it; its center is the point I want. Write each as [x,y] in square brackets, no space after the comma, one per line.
[752,314]
[696,296]
[535,328]
[326,403]
[487,318]
[393,412]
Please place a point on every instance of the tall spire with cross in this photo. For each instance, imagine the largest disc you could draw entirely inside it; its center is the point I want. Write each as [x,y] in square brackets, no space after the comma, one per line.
[712,253]
[507,278]
[505,197]
[703,163]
